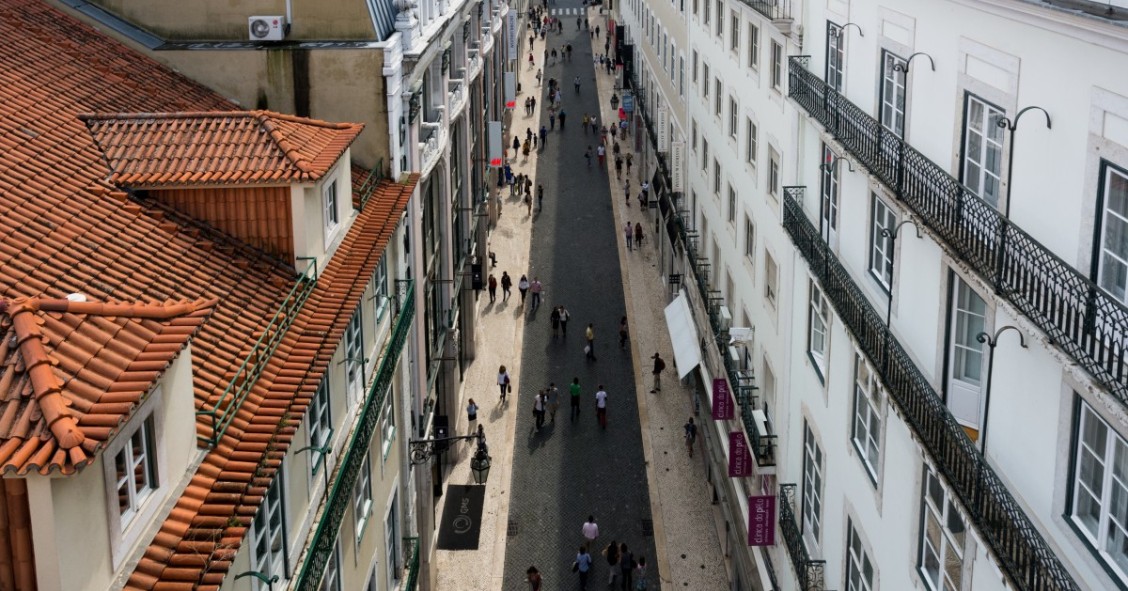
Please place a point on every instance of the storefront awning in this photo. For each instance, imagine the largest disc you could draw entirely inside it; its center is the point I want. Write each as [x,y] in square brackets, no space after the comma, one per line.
[683,335]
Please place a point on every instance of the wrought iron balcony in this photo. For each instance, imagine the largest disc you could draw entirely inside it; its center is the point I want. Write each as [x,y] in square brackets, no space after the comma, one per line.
[810,572]
[777,10]
[368,186]
[324,540]
[1084,321]
[411,564]
[1016,544]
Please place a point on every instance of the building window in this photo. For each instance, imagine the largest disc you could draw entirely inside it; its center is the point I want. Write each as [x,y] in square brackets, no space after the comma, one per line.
[704,80]
[965,352]
[717,98]
[835,56]
[693,134]
[753,46]
[392,564]
[773,173]
[716,178]
[733,114]
[812,487]
[777,65]
[329,201]
[681,75]
[859,569]
[331,579]
[749,240]
[720,21]
[817,314]
[982,149]
[881,246]
[751,142]
[380,299]
[695,7]
[705,16]
[942,538]
[320,425]
[867,417]
[893,70]
[354,355]
[362,496]
[731,205]
[734,32]
[693,67]
[769,278]
[1112,232]
[388,425]
[828,212]
[1100,486]
[704,154]
[135,471]
[268,533]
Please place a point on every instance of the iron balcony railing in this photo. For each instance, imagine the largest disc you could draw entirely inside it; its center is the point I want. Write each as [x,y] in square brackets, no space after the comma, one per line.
[411,564]
[1084,321]
[810,572]
[368,186]
[219,417]
[1018,547]
[340,498]
[777,10]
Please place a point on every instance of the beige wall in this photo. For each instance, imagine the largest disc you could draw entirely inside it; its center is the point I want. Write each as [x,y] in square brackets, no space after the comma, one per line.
[226,20]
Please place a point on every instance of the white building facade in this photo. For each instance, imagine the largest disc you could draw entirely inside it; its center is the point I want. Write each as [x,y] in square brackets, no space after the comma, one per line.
[924,232]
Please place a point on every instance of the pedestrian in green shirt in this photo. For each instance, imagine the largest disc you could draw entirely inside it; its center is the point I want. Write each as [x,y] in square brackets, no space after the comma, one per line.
[574,390]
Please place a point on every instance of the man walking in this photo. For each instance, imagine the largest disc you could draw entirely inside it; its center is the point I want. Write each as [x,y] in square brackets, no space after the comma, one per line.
[552,399]
[601,406]
[628,232]
[564,317]
[536,289]
[590,336]
[574,391]
[538,411]
[492,284]
[690,436]
[506,286]
[659,367]
[590,531]
[583,566]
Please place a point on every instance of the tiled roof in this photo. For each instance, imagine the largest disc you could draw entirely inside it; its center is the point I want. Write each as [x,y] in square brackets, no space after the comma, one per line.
[68,379]
[209,148]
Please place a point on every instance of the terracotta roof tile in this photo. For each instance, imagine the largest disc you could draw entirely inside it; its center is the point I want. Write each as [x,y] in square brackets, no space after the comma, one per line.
[215,148]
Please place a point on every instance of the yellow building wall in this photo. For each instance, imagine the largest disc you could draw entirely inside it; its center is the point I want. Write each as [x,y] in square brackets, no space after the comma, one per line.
[226,20]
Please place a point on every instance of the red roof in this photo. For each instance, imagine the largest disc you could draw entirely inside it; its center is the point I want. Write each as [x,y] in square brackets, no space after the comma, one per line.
[219,147]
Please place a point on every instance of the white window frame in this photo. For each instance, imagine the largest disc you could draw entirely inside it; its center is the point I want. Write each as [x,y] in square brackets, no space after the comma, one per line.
[330,209]
[866,430]
[720,30]
[718,97]
[273,561]
[354,355]
[320,422]
[362,497]
[749,240]
[829,191]
[753,46]
[882,218]
[388,424]
[818,328]
[126,528]
[1112,269]
[773,173]
[693,134]
[1095,484]
[777,66]
[859,567]
[731,204]
[941,544]
[981,129]
[381,300]
[752,142]
[706,13]
[967,358]
[693,67]
[704,154]
[894,71]
[771,272]
[705,77]
[813,479]
[835,73]
[734,117]
[734,32]
[331,576]
[716,178]
[392,557]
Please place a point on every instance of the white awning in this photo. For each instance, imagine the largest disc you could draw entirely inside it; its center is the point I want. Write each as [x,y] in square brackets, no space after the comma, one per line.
[683,335]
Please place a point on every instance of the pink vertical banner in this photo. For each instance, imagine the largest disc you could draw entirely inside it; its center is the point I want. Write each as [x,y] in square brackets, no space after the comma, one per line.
[761,520]
[723,407]
[740,457]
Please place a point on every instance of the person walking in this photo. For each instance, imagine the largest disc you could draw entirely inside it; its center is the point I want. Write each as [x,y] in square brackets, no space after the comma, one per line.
[589,335]
[601,155]
[601,406]
[523,287]
[618,166]
[536,288]
[659,367]
[472,411]
[590,530]
[533,578]
[561,112]
[690,436]
[552,120]
[583,123]
[624,334]
[503,382]
[516,145]
[540,197]
[506,286]
[628,233]
[630,158]
[491,285]
[640,574]
[574,392]
[538,411]
[638,235]
[528,199]
[576,82]
[554,320]
[543,137]
[627,565]
[611,553]
[552,399]
[587,156]
[582,565]
[565,316]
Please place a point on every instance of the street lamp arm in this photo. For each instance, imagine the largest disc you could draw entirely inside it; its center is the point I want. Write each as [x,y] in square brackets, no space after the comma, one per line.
[931,63]
[269,581]
[423,449]
[991,341]
[1011,125]
[896,230]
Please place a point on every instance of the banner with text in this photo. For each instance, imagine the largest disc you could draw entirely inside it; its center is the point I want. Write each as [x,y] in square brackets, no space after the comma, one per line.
[761,520]
[511,34]
[509,84]
[677,165]
[740,457]
[494,150]
[723,407]
[663,130]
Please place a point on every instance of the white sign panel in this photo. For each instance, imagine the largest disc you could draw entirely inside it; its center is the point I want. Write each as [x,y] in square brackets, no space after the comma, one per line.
[663,130]
[494,150]
[509,83]
[677,166]
[511,33]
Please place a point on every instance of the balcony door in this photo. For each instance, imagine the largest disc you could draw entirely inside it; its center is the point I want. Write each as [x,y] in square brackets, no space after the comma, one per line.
[983,149]
[966,359]
[828,209]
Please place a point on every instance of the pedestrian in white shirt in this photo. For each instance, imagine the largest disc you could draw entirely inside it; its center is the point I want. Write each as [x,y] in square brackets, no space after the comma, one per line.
[601,406]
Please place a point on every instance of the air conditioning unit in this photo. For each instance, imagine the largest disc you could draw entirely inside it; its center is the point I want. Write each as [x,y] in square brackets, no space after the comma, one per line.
[266,28]
[725,318]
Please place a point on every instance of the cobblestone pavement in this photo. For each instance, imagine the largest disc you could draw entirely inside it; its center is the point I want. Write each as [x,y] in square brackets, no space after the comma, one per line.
[546,484]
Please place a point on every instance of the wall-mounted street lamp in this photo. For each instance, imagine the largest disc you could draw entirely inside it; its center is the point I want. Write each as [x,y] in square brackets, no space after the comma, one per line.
[322,453]
[423,449]
[904,66]
[892,234]
[1012,126]
[842,30]
[992,341]
[268,581]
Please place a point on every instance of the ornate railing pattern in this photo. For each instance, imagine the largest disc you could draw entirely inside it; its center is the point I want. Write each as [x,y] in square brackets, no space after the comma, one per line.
[1020,550]
[220,416]
[1084,321]
[348,469]
[411,564]
[773,9]
[809,572]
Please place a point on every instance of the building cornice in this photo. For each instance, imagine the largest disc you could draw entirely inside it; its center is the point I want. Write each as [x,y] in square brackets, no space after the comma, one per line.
[1081,26]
